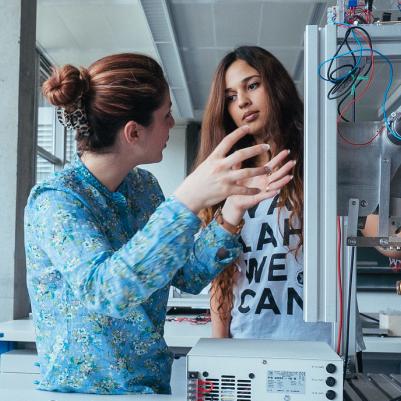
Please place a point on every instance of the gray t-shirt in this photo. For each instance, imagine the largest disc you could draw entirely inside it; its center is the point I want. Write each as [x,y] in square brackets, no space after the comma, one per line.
[268,295]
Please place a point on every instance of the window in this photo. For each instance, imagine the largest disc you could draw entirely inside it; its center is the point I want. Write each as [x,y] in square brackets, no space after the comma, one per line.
[55,144]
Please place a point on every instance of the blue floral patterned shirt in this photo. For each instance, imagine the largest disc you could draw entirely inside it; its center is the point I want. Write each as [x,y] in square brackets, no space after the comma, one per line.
[99,268]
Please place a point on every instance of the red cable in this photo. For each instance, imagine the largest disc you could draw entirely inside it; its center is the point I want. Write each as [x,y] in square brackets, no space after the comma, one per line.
[201,391]
[340,286]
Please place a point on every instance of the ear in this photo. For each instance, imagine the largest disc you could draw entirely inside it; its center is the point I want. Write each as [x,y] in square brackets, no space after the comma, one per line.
[132,132]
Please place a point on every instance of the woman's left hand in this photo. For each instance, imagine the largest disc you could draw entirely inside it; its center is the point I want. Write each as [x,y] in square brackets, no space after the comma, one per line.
[236,205]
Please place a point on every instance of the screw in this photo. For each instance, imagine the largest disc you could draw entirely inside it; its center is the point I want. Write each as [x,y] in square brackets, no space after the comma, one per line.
[264,362]
[364,203]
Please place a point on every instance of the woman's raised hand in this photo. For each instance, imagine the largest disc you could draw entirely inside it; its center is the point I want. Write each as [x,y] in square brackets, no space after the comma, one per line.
[278,175]
[216,178]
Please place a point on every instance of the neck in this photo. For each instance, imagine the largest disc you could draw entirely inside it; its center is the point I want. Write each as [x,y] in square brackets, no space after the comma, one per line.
[109,168]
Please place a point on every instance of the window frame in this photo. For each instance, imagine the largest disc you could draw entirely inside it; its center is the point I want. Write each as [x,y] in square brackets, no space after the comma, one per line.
[58,157]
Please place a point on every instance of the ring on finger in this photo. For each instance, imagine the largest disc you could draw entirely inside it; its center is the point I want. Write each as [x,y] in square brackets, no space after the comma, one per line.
[268,170]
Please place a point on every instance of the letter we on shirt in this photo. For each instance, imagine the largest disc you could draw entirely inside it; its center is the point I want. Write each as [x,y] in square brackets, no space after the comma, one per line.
[274,281]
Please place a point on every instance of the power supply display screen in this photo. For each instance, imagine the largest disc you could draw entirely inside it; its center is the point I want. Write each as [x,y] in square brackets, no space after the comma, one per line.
[283,381]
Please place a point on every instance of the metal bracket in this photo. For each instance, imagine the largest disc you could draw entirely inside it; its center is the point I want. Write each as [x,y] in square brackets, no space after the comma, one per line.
[352,226]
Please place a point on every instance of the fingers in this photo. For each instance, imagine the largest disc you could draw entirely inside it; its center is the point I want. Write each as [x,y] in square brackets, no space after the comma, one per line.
[243,154]
[278,184]
[248,201]
[229,141]
[243,190]
[244,173]
[281,172]
[278,159]
[255,199]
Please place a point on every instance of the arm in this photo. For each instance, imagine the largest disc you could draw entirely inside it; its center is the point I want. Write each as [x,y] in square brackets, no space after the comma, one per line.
[106,280]
[214,249]
[220,324]
[370,230]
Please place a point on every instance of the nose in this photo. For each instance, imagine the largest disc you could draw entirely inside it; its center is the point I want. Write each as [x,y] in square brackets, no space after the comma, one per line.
[243,100]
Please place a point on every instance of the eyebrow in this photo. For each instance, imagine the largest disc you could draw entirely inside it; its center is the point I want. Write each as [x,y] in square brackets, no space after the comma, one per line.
[243,81]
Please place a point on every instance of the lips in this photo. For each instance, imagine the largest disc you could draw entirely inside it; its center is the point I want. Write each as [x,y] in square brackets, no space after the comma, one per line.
[250,116]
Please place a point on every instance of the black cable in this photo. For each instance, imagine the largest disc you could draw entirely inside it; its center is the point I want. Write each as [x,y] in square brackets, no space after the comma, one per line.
[369,317]
[360,71]
[343,87]
[351,273]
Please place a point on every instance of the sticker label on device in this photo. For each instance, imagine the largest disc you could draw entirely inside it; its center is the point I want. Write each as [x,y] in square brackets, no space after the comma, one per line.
[283,381]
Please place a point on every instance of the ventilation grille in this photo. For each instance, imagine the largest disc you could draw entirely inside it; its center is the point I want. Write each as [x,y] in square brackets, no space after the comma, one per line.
[228,388]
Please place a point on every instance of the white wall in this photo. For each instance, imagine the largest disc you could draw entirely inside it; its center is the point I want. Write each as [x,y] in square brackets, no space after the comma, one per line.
[17,88]
[170,172]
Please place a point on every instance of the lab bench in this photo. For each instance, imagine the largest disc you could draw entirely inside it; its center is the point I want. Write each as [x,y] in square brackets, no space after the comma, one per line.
[181,335]
[21,387]
[19,370]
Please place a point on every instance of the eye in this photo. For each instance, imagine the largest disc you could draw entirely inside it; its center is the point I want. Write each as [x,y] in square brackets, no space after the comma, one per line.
[253,85]
[231,98]
[168,115]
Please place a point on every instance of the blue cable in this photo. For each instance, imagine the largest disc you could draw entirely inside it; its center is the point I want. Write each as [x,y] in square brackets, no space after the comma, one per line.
[341,55]
[360,50]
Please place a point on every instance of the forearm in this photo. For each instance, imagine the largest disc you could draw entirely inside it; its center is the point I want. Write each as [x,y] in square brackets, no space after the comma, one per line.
[109,281]
[213,250]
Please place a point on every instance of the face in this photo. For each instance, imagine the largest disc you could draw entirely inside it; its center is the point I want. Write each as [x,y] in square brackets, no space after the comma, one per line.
[157,133]
[246,98]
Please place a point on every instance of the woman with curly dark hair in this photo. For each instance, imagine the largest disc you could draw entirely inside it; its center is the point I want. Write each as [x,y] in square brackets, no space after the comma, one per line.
[261,294]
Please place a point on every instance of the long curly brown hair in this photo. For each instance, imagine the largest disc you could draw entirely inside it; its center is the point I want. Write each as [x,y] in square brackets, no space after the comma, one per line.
[284,128]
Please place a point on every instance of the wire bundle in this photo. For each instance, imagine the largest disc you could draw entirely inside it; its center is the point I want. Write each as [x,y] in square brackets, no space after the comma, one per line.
[360,14]
[352,74]
[198,320]
[204,387]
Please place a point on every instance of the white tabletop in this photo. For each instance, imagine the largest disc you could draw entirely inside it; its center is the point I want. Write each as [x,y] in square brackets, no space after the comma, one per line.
[176,334]
[10,392]
[183,334]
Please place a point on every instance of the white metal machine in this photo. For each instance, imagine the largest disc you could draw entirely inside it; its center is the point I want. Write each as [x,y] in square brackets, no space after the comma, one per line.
[336,182]
[263,370]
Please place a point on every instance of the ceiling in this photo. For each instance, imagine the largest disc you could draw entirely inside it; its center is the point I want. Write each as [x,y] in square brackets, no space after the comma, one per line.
[188,37]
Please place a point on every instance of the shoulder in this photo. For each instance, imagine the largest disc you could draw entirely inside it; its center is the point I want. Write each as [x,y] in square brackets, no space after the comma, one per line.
[144,181]
[61,185]
[145,176]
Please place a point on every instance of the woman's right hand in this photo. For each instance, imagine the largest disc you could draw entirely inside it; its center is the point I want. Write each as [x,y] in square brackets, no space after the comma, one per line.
[216,179]
[279,174]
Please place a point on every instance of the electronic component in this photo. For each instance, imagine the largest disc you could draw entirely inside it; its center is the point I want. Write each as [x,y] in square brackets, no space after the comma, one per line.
[245,370]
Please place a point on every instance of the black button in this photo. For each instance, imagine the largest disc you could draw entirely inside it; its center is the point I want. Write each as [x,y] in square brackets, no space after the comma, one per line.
[251,375]
[205,374]
[331,395]
[330,381]
[331,368]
